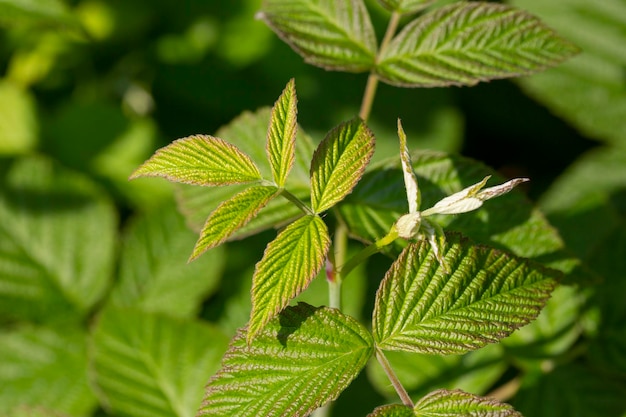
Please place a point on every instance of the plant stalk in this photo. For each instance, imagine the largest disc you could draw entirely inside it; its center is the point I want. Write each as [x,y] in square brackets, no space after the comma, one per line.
[404,396]
[345,269]
[295,200]
[372,80]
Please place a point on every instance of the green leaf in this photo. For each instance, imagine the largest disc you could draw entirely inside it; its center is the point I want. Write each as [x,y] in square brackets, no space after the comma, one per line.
[332,34]
[148,365]
[446,403]
[392,410]
[303,358]
[405,6]
[281,135]
[468,42]
[509,222]
[339,162]
[18,120]
[231,215]
[487,295]
[289,264]
[246,132]
[57,239]
[200,160]
[154,275]
[45,367]
[587,91]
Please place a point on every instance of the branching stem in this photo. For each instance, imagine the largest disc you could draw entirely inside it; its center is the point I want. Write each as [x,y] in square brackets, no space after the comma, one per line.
[368,251]
[295,200]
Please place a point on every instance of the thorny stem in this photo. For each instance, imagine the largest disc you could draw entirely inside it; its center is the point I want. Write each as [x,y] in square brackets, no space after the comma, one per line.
[372,80]
[404,396]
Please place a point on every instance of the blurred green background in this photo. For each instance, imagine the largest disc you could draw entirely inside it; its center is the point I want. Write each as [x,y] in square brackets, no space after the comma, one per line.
[93,273]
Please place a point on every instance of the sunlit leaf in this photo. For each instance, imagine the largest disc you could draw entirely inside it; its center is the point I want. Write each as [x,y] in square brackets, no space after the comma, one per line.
[231,215]
[289,264]
[457,403]
[339,162]
[247,132]
[57,239]
[392,410]
[281,135]
[154,274]
[468,42]
[149,365]
[200,160]
[302,359]
[486,296]
[45,367]
[332,34]
[405,6]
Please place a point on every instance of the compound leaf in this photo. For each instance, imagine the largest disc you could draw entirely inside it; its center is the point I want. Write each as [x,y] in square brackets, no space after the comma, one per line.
[302,359]
[332,34]
[281,134]
[231,215]
[246,132]
[339,162]
[146,365]
[405,6]
[468,42]
[289,264]
[487,295]
[200,160]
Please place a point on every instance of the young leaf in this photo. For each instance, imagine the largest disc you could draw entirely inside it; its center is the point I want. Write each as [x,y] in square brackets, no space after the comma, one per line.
[392,410]
[200,160]
[405,6]
[149,365]
[246,132]
[289,264]
[487,295]
[281,134]
[468,42]
[231,215]
[456,403]
[332,34]
[301,360]
[338,163]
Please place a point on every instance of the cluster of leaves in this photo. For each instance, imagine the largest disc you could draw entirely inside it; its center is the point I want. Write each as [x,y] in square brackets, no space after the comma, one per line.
[91,318]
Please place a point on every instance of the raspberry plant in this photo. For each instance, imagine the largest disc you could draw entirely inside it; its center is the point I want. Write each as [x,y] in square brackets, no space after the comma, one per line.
[446,292]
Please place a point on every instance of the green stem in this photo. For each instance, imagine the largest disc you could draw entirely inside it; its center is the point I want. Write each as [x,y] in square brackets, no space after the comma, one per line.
[404,396]
[372,80]
[345,269]
[295,200]
[334,276]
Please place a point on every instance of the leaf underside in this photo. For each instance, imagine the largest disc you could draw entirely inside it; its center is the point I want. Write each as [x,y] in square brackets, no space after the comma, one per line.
[487,295]
[339,162]
[281,134]
[468,42]
[302,359]
[332,34]
[200,160]
[231,215]
[289,264]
